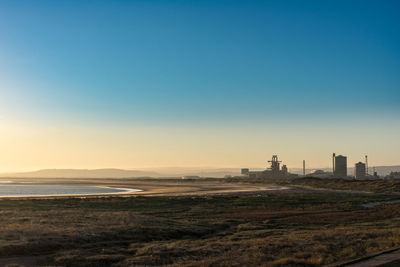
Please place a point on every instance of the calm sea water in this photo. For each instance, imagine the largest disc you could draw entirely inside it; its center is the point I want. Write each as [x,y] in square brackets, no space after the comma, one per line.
[7,190]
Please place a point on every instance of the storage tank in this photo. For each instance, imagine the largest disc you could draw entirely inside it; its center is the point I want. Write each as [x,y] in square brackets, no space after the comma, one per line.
[340,167]
[359,170]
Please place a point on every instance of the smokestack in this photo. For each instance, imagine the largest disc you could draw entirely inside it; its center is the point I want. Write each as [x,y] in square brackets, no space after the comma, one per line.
[333,163]
[304,168]
[366,163]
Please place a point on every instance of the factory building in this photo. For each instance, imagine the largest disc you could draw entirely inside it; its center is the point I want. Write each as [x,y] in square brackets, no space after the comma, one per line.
[339,166]
[284,170]
[360,171]
[245,171]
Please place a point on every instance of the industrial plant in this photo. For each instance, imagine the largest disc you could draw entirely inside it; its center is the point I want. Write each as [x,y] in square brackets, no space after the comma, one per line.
[274,171]
[339,170]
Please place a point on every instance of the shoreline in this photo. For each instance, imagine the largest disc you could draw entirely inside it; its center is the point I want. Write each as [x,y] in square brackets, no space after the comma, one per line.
[135,188]
[125,191]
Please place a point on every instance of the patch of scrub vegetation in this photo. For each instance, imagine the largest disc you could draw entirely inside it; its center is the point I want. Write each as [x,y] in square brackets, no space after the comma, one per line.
[377,186]
[236,230]
[395,263]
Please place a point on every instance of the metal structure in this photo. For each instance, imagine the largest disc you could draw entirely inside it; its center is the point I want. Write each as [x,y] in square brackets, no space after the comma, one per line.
[275,164]
[273,171]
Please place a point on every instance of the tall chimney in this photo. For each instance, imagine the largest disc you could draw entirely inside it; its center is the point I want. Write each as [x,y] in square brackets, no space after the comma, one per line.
[333,163]
[366,164]
[304,168]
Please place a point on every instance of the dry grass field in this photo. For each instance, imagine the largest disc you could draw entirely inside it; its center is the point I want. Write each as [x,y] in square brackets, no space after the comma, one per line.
[376,186]
[260,229]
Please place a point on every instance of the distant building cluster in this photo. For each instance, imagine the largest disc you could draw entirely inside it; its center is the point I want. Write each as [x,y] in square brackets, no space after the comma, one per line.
[339,170]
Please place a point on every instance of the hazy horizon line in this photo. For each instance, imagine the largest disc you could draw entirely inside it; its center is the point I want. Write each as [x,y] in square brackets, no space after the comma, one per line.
[198,168]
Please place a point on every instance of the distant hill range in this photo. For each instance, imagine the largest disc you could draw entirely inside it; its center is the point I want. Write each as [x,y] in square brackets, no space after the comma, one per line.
[121,173]
[166,172]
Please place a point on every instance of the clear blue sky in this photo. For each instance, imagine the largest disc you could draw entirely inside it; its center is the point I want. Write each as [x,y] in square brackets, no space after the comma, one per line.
[209,63]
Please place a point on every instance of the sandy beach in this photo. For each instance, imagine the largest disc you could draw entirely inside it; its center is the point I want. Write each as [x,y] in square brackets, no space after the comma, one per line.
[156,187]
